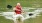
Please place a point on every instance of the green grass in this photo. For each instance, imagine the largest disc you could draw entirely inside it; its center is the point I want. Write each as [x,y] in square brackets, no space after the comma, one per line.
[31,20]
[4,20]
[24,3]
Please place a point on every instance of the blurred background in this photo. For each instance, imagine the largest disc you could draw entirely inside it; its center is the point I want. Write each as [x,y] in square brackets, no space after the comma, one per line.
[7,6]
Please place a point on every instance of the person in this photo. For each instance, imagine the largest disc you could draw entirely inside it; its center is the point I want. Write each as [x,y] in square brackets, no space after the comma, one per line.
[18,11]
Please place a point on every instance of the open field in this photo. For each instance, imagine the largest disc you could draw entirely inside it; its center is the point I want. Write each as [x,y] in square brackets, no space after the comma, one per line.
[38,19]
[24,3]
[31,20]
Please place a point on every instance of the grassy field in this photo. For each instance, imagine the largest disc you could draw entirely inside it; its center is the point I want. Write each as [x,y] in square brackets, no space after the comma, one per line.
[31,20]
[24,3]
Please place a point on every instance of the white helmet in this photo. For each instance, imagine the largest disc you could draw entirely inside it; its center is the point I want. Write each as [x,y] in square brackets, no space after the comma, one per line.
[18,3]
